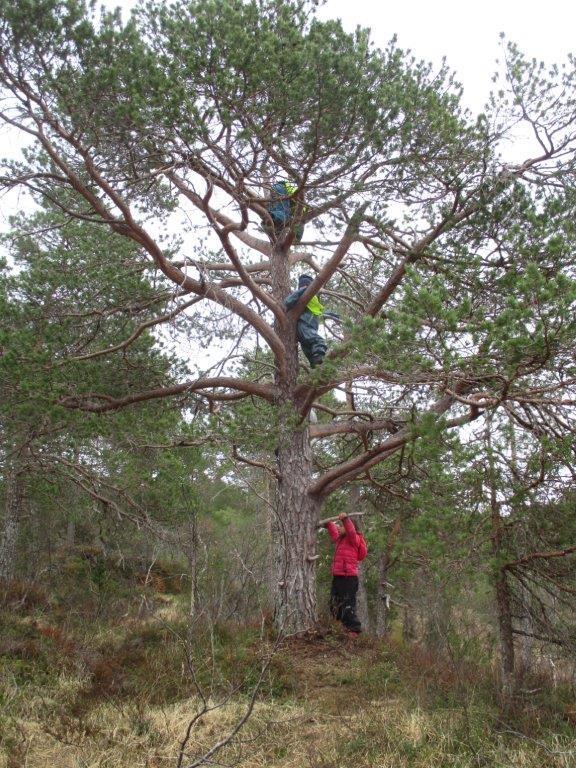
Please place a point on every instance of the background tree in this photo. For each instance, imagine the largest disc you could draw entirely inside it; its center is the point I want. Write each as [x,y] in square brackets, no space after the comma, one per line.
[57,463]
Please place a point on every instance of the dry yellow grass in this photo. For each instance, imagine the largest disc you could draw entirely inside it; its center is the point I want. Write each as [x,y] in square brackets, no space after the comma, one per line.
[328,703]
[278,735]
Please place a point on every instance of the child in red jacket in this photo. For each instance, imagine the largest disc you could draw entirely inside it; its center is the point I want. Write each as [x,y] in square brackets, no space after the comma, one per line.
[350,550]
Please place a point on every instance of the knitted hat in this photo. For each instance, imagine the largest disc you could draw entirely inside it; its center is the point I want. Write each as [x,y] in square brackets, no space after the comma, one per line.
[304,280]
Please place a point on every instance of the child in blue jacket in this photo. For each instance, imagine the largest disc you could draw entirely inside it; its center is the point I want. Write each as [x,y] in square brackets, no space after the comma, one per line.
[313,345]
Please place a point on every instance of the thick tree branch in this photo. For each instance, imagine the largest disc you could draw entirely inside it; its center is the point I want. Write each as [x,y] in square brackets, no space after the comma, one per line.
[341,474]
[540,556]
[351,427]
[86,402]
[350,235]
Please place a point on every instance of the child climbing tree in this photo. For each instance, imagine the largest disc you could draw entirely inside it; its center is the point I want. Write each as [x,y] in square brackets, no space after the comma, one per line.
[450,266]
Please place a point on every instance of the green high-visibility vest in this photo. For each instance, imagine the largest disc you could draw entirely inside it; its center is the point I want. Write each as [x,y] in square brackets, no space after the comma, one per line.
[315,306]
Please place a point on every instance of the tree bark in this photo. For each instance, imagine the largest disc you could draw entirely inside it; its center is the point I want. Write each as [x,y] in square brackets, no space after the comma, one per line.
[297,511]
[192,557]
[501,588]
[383,593]
[506,639]
[362,601]
[295,533]
[383,596]
[70,533]
[408,625]
[12,521]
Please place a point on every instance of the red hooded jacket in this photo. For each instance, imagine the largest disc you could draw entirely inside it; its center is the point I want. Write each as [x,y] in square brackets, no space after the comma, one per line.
[350,549]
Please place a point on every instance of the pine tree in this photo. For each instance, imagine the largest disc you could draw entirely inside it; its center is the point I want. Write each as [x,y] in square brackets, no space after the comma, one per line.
[451,267]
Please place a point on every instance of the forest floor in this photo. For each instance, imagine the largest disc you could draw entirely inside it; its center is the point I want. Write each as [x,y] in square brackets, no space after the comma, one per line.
[110,675]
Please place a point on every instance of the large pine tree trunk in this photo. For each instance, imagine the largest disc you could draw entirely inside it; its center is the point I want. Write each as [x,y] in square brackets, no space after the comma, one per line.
[12,520]
[295,539]
[297,512]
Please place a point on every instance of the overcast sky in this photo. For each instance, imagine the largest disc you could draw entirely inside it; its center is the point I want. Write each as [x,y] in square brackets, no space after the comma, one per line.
[467,34]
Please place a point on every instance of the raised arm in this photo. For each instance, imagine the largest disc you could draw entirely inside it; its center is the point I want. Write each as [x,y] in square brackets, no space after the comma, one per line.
[333,531]
[351,534]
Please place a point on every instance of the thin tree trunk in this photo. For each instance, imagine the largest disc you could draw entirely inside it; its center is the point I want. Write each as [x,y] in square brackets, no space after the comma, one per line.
[70,533]
[506,637]
[526,641]
[362,601]
[501,588]
[355,506]
[192,557]
[383,596]
[362,597]
[12,521]
[383,593]
[272,536]
[408,624]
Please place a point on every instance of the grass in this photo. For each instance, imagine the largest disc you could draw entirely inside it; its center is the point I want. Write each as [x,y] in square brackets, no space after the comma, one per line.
[85,689]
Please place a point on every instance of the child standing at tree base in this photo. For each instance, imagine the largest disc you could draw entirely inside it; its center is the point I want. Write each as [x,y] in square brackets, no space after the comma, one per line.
[350,550]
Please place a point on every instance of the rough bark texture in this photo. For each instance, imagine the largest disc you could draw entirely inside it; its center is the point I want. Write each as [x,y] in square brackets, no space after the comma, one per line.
[503,608]
[295,529]
[12,520]
[297,512]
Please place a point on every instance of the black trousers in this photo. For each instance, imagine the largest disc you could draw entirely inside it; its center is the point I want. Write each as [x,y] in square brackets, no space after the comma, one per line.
[343,601]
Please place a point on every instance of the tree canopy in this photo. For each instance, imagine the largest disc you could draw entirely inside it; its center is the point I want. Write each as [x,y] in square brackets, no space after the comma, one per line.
[451,266]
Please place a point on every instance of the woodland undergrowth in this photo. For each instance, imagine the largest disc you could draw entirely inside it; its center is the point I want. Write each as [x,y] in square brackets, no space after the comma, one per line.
[115,678]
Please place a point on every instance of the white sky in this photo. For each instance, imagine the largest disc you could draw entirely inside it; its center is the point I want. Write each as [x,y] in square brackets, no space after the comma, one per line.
[467,34]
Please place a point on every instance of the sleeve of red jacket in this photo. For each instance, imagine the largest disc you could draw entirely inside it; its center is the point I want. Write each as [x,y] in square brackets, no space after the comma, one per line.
[333,531]
[362,549]
[351,534]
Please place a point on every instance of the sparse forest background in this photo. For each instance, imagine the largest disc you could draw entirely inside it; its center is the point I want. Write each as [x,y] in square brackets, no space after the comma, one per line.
[166,455]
